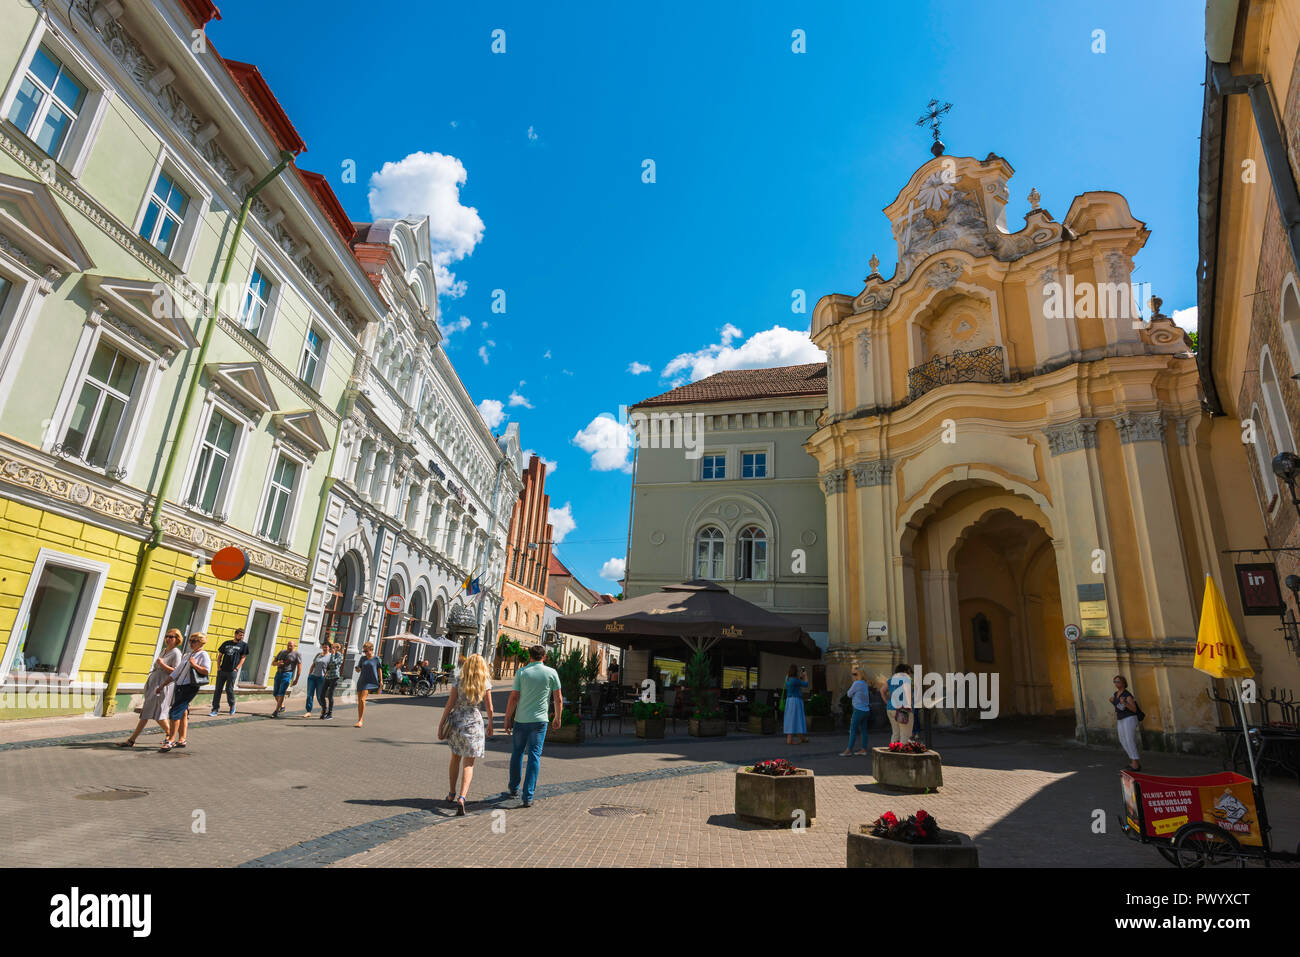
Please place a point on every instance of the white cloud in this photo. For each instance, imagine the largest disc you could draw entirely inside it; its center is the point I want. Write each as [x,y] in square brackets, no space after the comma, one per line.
[636,368]
[517,399]
[777,346]
[532,135]
[608,442]
[483,350]
[493,412]
[561,522]
[460,325]
[612,570]
[1185,318]
[428,184]
[551,466]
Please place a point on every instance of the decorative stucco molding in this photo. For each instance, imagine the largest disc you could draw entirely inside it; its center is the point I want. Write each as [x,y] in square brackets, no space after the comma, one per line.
[834,482]
[1072,436]
[1140,427]
[870,474]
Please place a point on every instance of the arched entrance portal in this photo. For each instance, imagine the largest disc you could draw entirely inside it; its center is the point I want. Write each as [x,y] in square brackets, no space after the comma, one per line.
[986,598]
[392,624]
[340,603]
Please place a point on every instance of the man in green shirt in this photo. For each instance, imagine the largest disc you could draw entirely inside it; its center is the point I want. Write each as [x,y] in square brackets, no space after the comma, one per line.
[536,686]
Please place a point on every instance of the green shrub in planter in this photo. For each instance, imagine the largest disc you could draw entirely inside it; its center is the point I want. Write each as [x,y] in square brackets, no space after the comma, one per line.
[649,710]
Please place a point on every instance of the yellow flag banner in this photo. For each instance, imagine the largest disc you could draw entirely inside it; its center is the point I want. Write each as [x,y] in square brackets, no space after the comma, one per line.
[1219,652]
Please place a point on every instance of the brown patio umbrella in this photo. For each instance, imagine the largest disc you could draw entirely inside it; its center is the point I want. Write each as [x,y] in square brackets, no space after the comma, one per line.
[700,613]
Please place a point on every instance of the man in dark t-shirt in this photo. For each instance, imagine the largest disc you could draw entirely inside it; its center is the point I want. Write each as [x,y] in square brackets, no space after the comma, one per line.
[230,659]
[288,663]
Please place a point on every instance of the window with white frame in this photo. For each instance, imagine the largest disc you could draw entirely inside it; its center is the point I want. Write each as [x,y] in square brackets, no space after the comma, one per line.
[48,102]
[257,301]
[449,546]
[1264,458]
[1282,436]
[189,609]
[7,291]
[104,406]
[709,549]
[56,613]
[753,465]
[431,529]
[164,213]
[751,554]
[277,509]
[713,466]
[312,364]
[214,468]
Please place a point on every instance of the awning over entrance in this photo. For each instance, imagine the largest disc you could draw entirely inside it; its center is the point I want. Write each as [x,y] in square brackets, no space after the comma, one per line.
[700,613]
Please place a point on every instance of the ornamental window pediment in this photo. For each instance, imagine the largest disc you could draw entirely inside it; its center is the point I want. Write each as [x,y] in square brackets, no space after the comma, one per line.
[303,428]
[34,231]
[132,302]
[245,382]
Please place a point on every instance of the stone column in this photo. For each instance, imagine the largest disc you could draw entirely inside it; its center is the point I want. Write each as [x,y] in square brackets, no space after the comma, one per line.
[872,484]
[840,590]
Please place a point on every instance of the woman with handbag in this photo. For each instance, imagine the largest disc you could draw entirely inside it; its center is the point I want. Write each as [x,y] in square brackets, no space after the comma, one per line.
[897,692]
[1127,718]
[189,676]
[463,725]
[158,689]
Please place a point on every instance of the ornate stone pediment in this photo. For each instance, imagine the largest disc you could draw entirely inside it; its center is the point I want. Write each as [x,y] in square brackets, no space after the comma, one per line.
[246,382]
[133,301]
[303,427]
[33,229]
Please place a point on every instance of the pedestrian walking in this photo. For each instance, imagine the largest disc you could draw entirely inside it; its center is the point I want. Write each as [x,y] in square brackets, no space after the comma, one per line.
[795,723]
[288,663]
[230,661]
[316,676]
[331,681]
[860,695]
[462,727]
[536,685]
[367,680]
[188,678]
[1127,718]
[158,688]
[897,692]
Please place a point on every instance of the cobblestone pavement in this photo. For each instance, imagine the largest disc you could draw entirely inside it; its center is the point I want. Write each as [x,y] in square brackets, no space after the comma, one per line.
[305,792]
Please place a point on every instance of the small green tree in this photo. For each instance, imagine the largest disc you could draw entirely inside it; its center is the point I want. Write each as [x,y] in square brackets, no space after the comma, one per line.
[699,678]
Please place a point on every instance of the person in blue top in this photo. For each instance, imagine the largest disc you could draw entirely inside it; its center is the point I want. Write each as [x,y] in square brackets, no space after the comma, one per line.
[860,694]
[367,679]
[897,692]
[795,682]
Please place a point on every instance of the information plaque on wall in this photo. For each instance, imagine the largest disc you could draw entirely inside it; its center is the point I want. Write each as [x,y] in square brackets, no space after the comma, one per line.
[1094,618]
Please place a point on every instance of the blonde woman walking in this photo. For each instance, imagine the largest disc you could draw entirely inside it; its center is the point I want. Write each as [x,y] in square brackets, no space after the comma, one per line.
[158,688]
[462,726]
[367,679]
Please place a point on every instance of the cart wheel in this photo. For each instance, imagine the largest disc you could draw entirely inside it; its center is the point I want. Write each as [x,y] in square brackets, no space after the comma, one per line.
[1204,845]
[424,689]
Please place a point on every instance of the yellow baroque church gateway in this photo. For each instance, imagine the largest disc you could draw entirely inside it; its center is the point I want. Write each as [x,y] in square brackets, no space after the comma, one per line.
[1009,448]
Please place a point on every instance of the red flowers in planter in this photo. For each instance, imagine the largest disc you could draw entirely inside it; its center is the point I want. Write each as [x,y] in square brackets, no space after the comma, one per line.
[920,828]
[908,747]
[777,768]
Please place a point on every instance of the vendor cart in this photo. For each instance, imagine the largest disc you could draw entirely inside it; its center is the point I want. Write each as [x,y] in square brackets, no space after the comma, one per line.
[1202,821]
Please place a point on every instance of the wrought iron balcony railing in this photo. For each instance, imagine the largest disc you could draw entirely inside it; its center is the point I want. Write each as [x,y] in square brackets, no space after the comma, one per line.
[978,365]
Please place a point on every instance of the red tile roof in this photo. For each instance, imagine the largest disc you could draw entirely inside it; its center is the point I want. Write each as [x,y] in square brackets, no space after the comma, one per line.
[268,109]
[808,379]
[329,203]
[557,567]
[201,12]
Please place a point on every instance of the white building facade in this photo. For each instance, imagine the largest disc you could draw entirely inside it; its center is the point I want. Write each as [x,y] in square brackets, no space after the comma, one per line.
[422,490]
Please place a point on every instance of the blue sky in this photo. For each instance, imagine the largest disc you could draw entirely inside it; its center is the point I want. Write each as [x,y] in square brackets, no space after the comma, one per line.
[771,169]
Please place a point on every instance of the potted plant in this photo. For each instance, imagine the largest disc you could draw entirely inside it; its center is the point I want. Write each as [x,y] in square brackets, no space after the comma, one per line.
[650,717]
[776,793]
[917,841]
[570,669]
[762,719]
[818,712]
[706,720]
[909,765]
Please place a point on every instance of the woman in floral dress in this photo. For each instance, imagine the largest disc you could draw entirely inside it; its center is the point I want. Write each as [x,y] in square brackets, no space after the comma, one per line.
[462,726]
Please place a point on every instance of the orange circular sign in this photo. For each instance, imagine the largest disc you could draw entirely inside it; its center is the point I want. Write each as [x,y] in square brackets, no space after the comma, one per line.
[395,605]
[229,564]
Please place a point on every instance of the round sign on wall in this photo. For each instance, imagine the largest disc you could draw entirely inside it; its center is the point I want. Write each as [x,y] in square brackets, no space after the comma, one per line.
[395,605]
[1072,633]
[229,564]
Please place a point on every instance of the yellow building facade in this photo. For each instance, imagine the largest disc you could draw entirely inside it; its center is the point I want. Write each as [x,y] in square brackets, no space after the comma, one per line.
[1010,447]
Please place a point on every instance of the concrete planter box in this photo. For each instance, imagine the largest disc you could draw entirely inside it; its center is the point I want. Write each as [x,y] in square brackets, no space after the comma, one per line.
[650,727]
[708,727]
[914,772]
[568,734]
[819,723]
[866,850]
[765,725]
[764,799]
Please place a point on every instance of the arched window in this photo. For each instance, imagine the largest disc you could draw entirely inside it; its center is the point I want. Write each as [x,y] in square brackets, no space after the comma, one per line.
[1264,457]
[1282,436]
[1289,314]
[708,553]
[751,554]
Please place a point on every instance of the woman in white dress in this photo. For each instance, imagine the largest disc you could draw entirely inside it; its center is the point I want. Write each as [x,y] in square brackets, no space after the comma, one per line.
[158,689]
[462,726]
